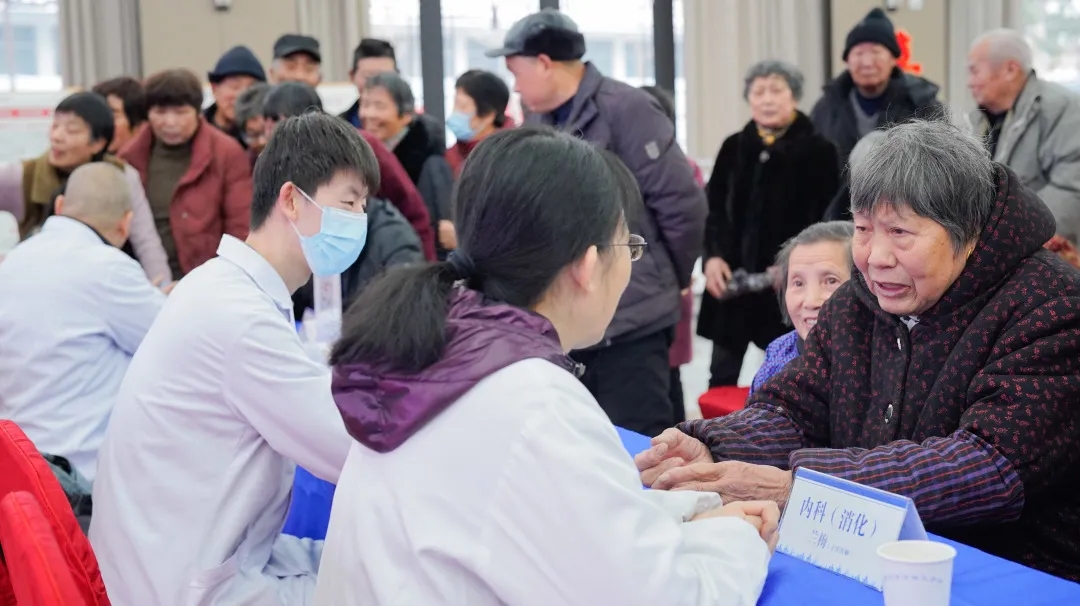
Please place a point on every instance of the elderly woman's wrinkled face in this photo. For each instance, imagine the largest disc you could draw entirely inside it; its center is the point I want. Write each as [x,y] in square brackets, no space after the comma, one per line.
[815,271]
[772,104]
[907,260]
[380,114]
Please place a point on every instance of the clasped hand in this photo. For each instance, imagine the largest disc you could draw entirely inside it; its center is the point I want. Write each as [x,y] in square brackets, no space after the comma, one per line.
[677,461]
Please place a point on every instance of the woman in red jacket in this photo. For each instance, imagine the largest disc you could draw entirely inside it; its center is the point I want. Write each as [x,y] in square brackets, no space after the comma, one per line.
[197,178]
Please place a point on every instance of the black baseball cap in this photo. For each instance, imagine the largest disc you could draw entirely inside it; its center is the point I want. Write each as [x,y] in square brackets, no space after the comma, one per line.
[548,32]
[290,44]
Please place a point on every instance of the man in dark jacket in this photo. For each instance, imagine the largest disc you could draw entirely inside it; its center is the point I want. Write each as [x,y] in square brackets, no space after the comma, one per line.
[390,241]
[235,72]
[370,58]
[628,372]
[872,92]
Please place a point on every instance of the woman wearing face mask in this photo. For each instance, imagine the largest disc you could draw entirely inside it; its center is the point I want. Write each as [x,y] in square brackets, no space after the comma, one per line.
[482,471]
[812,265]
[480,104]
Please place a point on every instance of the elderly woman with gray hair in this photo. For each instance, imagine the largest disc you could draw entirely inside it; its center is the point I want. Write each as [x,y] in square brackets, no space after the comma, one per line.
[388,111]
[770,180]
[947,370]
[812,265]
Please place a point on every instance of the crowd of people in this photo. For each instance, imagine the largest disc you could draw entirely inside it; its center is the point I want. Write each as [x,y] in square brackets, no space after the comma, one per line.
[514,297]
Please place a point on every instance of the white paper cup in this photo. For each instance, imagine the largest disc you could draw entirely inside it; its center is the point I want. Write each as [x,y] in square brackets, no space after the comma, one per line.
[916,573]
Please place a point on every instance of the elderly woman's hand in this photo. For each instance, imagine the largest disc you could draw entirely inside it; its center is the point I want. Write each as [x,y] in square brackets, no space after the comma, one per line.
[732,480]
[670,449]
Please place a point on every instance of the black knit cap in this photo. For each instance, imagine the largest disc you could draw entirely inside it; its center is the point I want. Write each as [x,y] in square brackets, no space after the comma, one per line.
[875,27]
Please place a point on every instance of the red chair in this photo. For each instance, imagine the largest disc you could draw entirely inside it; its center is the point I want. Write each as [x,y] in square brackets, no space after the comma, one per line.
[24,470]
[37,568]
[722,401]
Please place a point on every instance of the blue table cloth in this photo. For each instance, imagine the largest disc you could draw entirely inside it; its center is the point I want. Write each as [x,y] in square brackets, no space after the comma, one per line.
[979,579]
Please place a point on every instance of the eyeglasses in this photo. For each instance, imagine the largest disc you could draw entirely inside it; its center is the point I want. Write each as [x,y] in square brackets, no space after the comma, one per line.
[637,246]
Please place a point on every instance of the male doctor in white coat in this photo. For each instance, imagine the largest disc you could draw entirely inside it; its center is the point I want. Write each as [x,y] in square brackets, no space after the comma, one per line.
[221,401]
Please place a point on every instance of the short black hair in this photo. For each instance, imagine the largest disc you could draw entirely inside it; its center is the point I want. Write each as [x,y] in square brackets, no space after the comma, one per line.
[488,91]
[530,201]
[308,151]
[131,94]
[95,111]
[373,48]
[290,99]
[174,88]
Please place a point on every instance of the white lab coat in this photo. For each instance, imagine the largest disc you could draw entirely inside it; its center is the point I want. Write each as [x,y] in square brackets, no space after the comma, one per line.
[73,310]
[521,493]
[196,470]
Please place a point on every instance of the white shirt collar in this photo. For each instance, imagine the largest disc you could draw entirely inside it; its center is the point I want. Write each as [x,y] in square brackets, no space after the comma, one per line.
[258,268]
[909,321]
[72,228]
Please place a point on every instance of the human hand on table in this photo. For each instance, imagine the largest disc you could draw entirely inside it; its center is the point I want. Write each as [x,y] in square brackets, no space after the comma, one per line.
[669,450]
[764,516]
[732,480]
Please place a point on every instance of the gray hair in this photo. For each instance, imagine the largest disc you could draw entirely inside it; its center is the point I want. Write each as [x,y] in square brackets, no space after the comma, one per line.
[840,232]
[938,170]
[249,104]
[770,67]
[1007,45]
[398,89]
[863,145]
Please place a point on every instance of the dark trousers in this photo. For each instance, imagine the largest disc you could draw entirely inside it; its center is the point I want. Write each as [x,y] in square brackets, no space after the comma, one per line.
[631,381]
[678,401]
[725,367]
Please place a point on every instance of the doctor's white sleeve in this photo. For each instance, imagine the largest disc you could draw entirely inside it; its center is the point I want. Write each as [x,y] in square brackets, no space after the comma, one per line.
[286,397]
[571,524]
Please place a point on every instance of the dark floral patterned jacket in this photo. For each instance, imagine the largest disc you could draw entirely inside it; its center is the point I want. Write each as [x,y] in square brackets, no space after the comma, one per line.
[974,413]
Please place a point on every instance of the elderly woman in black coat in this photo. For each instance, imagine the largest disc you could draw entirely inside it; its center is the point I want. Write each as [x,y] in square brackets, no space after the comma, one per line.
[769,181]
[946,370]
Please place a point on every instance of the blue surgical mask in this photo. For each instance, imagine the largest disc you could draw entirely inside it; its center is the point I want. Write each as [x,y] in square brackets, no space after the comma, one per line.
[338,243]
[459,124]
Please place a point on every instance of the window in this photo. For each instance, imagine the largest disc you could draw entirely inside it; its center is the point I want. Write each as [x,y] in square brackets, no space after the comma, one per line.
[640,64]
[601,53]
[398,22]
[680,78]
[29,51]
[1053,28]
[470,29]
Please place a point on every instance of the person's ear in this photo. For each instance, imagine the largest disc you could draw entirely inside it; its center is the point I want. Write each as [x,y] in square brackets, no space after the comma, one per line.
[289,200]
[58,206]
[545,63]
[124,228]
[585,272]
[98,145]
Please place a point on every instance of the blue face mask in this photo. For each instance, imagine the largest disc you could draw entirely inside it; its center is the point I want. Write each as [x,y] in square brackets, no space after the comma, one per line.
[338,243]
[458,123]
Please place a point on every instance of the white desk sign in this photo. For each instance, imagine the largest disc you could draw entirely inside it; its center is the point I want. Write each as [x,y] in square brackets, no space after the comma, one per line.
[838,525]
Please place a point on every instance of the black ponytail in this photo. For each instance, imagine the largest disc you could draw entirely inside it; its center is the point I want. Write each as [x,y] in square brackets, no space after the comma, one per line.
[399,318]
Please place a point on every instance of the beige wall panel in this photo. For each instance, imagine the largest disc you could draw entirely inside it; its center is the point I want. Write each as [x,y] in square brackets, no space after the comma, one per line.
[191,34]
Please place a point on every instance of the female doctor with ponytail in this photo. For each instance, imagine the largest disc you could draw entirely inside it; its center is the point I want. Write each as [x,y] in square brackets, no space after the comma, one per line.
[482,472]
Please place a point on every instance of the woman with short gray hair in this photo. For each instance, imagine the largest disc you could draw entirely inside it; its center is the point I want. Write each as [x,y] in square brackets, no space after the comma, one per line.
[388,112]
[812,265]
[769,181]
[947,370]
